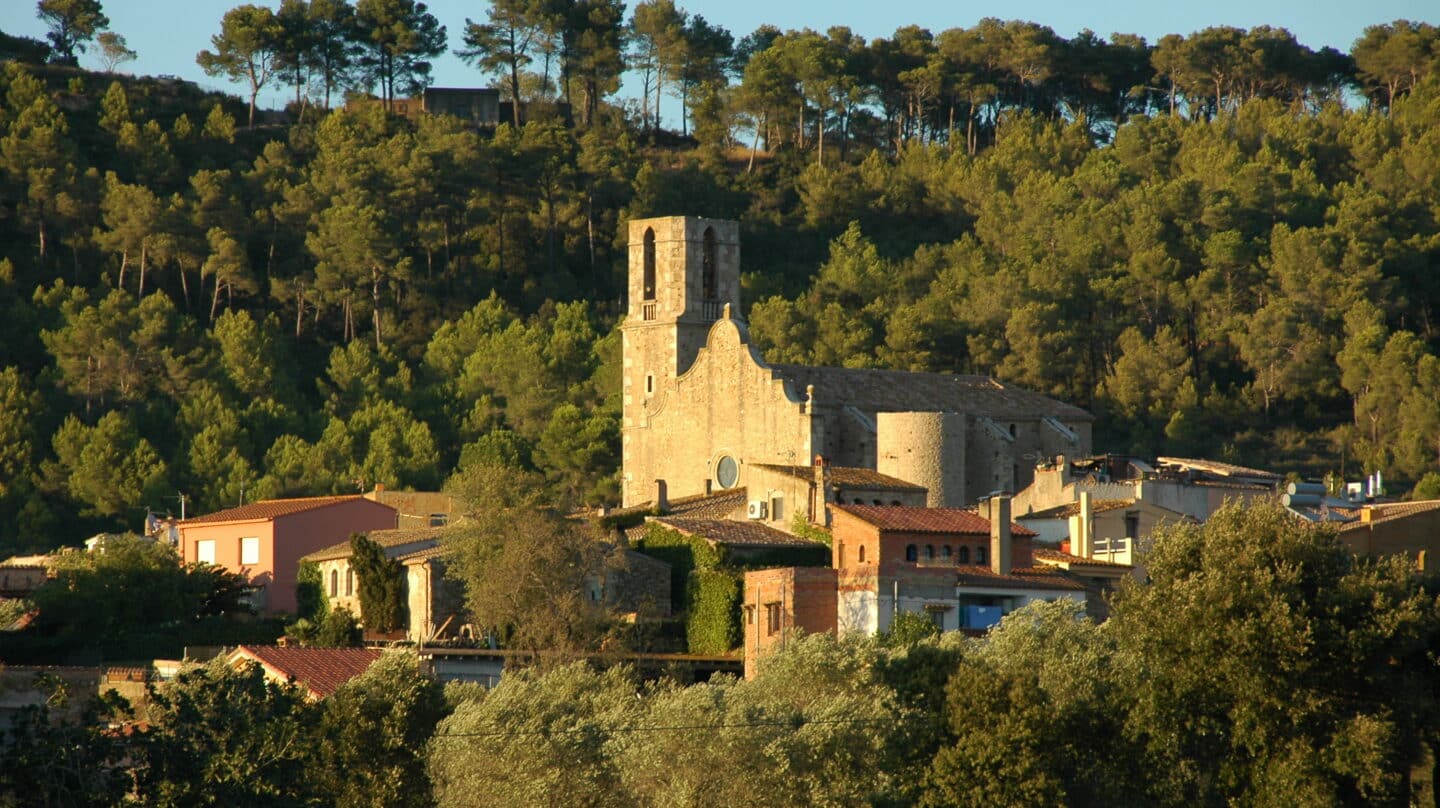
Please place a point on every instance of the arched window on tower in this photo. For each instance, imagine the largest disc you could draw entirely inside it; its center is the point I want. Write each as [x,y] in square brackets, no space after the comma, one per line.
[648,292]
[709,285]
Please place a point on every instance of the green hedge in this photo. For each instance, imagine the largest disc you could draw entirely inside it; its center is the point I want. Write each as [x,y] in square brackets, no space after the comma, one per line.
[310,601]
[712,624]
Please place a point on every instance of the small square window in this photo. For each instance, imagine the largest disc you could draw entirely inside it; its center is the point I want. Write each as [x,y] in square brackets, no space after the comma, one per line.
[772,618]
[439,519]
[205,551]
[250,550]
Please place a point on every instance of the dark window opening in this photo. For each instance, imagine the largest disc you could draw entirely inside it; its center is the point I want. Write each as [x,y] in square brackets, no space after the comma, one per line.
[1132,525]
[945,553]
[911,553]
[862,554]
[929,552]
[709,285]
[772,618]
[980,555]
[648,292]
[963,556]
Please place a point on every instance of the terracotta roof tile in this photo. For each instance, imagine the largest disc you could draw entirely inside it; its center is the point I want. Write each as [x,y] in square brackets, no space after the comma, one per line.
[272,508]
[728,531]
[1389,511]
[1070,509]
[1046,555]
[1019,578]
[847,477]
[927,520]
[872,391]
[717,505]
[385,538]
[320,671]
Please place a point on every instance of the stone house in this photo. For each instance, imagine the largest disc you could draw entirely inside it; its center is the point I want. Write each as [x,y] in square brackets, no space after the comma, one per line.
[264,541]
[433,604]
[702,409]
[1411,529]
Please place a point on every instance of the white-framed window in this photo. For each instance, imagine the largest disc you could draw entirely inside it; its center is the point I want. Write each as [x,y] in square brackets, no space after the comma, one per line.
[250,550]
[205,551]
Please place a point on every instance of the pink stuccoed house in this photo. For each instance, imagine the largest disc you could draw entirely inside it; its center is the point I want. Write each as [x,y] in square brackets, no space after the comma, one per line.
[264,541]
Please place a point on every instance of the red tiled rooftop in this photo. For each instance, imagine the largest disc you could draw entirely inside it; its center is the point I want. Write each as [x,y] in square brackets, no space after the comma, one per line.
[321,671]
[926,520]
[273,508]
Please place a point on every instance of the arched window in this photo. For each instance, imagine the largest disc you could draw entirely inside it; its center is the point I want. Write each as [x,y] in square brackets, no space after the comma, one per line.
[911,553]
[349,582]
[859,501]
[963,556]
[334,583]
[895,503]
[710,287]
[945,553]
[929,552]
[862,554]
[648,292]
[980,555]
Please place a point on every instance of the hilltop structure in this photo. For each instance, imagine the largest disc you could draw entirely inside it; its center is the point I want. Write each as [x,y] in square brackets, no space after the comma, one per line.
[704,412]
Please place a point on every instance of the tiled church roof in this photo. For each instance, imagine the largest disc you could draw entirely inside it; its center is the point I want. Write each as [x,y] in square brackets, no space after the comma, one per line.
[872,390]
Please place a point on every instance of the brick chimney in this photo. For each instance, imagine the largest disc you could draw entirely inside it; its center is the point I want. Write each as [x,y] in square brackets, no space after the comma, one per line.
[662,501]
[1000,535]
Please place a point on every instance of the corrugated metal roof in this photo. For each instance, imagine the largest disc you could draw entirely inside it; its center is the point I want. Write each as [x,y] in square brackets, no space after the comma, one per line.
[273,509]
[927,520]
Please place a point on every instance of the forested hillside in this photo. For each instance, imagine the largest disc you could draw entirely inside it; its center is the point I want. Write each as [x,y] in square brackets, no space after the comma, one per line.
[1224,244]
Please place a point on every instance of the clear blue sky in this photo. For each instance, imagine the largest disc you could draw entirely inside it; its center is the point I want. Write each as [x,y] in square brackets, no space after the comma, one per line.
[168,33]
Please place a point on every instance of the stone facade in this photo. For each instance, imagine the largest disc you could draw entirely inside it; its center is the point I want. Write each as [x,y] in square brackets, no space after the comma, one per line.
[701,406]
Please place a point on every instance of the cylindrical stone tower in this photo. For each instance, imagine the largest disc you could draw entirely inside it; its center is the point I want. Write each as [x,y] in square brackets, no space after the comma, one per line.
[925,448]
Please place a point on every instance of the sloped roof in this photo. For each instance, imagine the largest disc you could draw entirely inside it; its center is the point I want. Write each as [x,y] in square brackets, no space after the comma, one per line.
[872,390]
[717,505]
[1019,578]
[320,671]
[273,509]
[1390,511]
[1217,467]
[1070,509]
[733,532]
[846,477]
[927,520]
[1055,557]
[385,538]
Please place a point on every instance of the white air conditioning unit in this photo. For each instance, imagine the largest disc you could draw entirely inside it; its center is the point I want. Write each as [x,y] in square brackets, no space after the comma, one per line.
[756,509]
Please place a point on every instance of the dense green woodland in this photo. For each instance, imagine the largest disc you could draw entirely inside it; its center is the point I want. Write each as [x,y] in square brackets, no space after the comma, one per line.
[1263,665]
[1223,244]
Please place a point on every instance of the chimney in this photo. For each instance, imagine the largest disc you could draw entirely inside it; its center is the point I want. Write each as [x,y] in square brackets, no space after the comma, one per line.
[1000,535]
[662,502]
[1083,544]
[822,480]
[379,488]
[1367,515]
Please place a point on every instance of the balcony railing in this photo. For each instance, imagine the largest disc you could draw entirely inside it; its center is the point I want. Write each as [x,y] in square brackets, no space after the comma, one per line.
[711,309]
[647,311]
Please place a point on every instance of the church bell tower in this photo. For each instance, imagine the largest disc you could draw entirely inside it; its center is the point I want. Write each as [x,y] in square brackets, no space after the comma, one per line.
[683,271]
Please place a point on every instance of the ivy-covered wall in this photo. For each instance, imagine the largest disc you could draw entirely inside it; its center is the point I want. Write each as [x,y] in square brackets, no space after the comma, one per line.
[706,581]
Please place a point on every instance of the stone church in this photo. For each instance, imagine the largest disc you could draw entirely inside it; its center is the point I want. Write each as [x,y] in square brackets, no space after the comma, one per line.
[704,411]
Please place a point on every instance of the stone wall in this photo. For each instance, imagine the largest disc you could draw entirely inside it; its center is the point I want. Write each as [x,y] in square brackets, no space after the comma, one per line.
[925,448]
